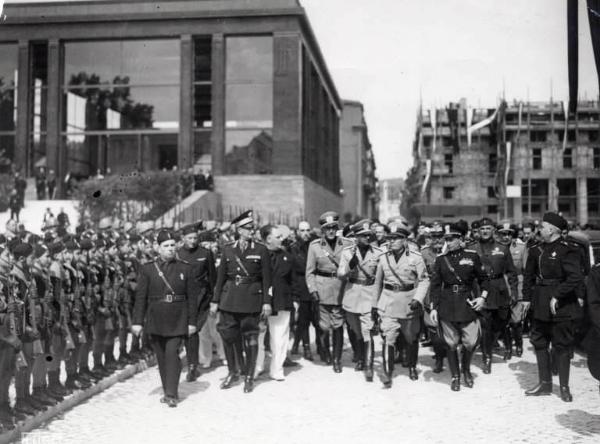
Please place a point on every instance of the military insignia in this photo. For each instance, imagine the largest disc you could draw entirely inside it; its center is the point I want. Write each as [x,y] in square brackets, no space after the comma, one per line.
[181,276]
[284,258]
[466,261]
[253,257]
[553,255]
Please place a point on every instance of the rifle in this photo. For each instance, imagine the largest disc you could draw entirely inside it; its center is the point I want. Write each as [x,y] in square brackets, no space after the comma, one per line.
[13,339]
[38,350]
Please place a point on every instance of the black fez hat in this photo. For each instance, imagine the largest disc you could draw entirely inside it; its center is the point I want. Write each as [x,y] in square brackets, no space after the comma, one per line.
[556,220]
[56,247]
[188,229]
[164,235]
[22,250]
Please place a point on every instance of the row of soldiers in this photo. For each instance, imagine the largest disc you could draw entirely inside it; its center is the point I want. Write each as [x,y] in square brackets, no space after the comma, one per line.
[65,301]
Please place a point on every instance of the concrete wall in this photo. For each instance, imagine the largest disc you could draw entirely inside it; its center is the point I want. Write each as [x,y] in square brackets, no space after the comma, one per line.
[351,156]
[275,198]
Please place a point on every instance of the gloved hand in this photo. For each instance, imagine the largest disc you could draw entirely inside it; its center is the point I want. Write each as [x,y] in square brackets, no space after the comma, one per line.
[414,305]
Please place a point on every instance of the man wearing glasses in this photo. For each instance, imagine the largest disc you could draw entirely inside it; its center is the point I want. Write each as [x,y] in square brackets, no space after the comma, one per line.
[401,284]
[242,296]
[454,307]
[322,262]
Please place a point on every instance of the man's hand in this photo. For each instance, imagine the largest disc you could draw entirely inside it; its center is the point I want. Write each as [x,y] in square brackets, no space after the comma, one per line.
[553,304]
[374,314]
[478,303]
[266,311]
[434,316]
[214,307]
[414,305]
[136,330]
[315,296]
[191,330]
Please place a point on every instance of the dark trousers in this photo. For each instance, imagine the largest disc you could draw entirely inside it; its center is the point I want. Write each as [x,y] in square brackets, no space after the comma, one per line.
[232,326]
[493,322]
[166,349]
[192,347]
[7,370]
[23,375]
[560,334]
[307,315]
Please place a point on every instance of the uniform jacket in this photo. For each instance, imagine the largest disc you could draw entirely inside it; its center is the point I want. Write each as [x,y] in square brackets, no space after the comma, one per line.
[411,269]
[498,264]
[452,305]
[591,342]
[553,270]
[282,266]
[321,257]
[243,297]
[203,263]
[166,318]
[359,298]
[299,251]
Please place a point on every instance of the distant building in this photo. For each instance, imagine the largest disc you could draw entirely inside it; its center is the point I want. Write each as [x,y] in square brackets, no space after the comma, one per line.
[390,191]
[357,164]
[525,159]
[237,87]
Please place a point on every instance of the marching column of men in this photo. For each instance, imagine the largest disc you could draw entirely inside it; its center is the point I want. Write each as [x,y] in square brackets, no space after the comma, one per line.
[69,300]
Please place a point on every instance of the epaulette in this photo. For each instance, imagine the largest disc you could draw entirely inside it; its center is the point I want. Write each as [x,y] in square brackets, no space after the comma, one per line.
[315,241]
[416,252]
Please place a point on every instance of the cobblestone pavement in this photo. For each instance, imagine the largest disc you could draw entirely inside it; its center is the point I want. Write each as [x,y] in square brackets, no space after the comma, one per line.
[316,405]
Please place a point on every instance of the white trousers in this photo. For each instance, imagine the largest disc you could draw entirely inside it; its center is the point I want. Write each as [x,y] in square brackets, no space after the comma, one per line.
[260,357]
[208,337]
[279,329]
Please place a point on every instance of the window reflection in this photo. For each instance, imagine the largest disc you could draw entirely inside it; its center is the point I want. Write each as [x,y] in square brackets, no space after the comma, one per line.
[248,152]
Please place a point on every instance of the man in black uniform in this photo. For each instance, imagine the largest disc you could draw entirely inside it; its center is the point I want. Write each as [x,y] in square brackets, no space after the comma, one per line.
[551,281]
[203,263]
[242,296]
[167,298]
[454,308]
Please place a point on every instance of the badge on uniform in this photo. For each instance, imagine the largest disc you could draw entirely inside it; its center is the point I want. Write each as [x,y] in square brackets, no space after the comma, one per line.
[466,261]
[181,276]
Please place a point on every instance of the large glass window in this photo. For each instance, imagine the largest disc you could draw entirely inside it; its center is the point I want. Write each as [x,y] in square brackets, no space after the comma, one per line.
[249,105]
[39,105]
[202,103]
[8,104]
[121,101]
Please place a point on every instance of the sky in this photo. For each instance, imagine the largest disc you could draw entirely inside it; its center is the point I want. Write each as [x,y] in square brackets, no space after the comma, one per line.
[390,54]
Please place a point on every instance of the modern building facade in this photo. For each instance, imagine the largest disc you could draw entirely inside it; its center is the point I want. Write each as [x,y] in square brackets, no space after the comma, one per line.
[357,164]
[236,87]
[525,159]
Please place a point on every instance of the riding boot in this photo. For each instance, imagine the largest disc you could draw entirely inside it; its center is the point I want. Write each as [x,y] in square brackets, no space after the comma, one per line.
[360,354]
[507,344]
[54,384]
[388,353]
[517,334]
[338,345]
[325,349]
[454,370]
[413,357]
[544,386]
[353,343]
[251,347]
[307,353]
[238,349]
[192,373]
[564,365]
[553,361]
[232,365]
[466,367]
[296,344]
[368,353]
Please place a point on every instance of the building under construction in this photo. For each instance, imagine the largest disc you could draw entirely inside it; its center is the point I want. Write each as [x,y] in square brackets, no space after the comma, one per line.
[515,161]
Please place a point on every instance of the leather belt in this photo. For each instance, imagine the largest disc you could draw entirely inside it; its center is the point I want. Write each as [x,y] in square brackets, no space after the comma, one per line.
[547,282]
[169,298]
[457,288]
[399,287]
[362,281]
[244,279]
[329,274]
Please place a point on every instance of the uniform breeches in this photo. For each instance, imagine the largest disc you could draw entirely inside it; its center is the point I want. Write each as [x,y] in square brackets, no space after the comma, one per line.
[361,324]
[166,350]
[492,322]
[392,327]
[560,334]
[331,317]
[466,332]
[232,326]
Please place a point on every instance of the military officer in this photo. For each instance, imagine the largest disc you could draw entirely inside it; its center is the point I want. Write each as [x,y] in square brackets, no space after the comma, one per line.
[322,263]
[401,282]
[243,297]
[497,262]
[454,307]
[166,304]
[358,266]
[203,263]
[551,282]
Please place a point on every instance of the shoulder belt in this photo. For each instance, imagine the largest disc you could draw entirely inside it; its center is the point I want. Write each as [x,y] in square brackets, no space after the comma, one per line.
[162,276]
[387,257]
[451,268]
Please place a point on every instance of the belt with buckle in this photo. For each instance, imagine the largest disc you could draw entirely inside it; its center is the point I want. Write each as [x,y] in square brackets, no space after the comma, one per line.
[398,287]
[362,281]
[169,298]
[329,274]
[245,279]
[457,288]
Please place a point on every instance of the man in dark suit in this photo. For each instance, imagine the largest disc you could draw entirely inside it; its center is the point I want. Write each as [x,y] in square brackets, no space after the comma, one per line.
[592,340]
[167,298]
[242,296]
[203,263]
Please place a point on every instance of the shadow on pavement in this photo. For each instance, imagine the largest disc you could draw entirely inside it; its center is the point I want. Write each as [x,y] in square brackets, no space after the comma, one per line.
[581,422]
[190,388]
[525,372]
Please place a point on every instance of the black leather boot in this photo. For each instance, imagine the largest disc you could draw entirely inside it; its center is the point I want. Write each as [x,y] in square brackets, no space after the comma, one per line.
[360,355]
[338,345]
[413,357]
[296,344]
[487,363]
[454,370]
[251,347]
[307,353]
[238,350]
[22,406]
[369,355]
[325,349]
[55,386]
[7,419]
[388,355]
[565,394]
[234,371]
[507,344]
[466,367]
[553,362]
[517,334]
[544,387]
[192,373]
[39,395]
[564,365]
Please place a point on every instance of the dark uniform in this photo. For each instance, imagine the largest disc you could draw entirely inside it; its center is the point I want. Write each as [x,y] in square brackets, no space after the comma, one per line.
[553,271]
[451,287]
[592,340]
[203,263]
[166,302]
